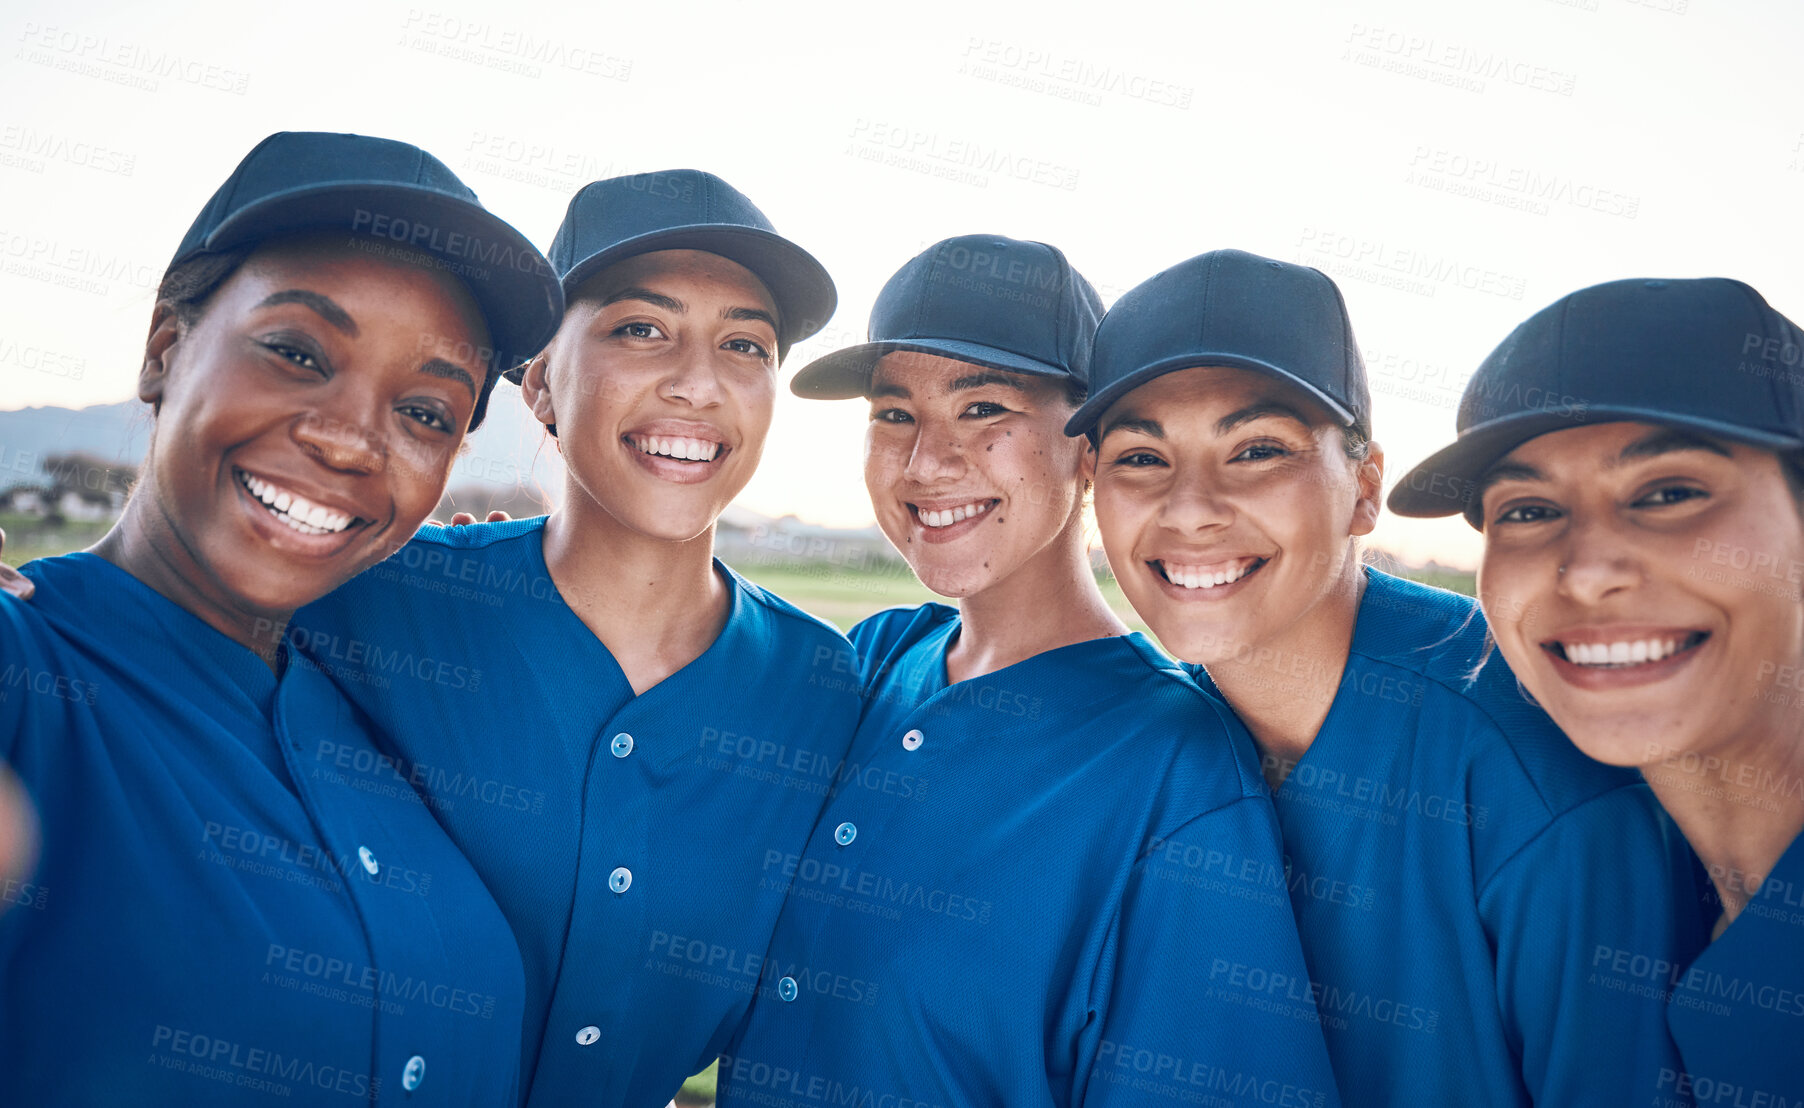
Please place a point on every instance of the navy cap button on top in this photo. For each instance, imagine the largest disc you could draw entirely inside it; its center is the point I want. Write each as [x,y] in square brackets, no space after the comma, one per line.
[414,1073]
[622,745]
[845,833]
[621,879]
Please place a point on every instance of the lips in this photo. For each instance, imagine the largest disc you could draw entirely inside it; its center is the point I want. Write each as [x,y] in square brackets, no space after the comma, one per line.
[293,509]
[1208,575]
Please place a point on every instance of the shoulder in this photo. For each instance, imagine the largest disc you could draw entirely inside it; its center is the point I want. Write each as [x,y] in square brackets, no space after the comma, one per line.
[1523,768]
[786,619]
[895,630]
[1205,749]
[477,536]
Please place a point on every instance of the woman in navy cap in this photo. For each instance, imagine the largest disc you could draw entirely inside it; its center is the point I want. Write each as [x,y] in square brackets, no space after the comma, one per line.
[1052,876]
[1632,454]
[219,914]
[1455,865]
[619,731]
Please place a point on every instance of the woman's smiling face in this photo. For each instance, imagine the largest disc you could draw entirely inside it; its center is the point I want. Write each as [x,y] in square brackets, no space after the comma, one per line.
[970,473]
[661,384]
[307,419]
[1643,583]
[1226,501]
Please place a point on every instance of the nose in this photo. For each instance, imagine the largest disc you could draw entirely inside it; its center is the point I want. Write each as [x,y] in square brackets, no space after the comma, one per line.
[935,455]
[694,378]
[1194,503]
[1598,560]
[342,444]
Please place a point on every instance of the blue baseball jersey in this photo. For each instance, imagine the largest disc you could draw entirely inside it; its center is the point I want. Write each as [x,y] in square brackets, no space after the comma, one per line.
[624,836]
[1465,879]
[1055,884]
[219,915]
[1737,1011]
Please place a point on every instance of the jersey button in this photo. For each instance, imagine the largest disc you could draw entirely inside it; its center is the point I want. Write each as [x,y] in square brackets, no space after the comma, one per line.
[622,745]
[844,834]
[620,880]
[368,858]
[588,1036]
[414,1073]
[786,988]
[912,740]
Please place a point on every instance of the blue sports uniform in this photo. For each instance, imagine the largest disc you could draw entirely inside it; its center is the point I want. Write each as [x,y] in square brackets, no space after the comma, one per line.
[1737,1011]
[219,916]
[1465,880]
[1045,886]
[624,836]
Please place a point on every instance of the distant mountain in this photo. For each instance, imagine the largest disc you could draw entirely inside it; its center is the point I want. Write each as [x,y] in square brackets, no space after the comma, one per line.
[112,432]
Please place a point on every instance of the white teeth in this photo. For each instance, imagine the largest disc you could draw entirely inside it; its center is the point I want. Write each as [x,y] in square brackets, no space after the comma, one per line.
[303,516]
[948,516]
[1194,577]
[685,449]
[1624,653]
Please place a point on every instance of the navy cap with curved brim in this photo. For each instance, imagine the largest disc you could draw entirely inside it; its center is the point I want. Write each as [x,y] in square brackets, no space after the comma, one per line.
[1238,310]
[686,209]
[1707,355]
[300,182]
[993,301]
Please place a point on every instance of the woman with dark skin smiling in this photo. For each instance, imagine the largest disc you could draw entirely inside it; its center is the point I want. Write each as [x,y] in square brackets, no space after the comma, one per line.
[217,914]
[1454,865]
[1632,454]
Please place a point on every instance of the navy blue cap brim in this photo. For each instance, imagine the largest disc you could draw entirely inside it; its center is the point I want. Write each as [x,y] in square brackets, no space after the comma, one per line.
[1447,482]
[510,280]
[800,285]
[845,374]
[1085,419]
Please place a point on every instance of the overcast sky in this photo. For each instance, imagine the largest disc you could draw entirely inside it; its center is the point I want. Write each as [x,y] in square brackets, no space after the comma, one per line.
[1454,167]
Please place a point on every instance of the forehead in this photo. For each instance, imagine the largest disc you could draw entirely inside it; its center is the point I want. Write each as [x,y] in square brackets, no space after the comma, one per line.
[921,374]
[331,265]
[682,275]
[1595,447]
[1207,393]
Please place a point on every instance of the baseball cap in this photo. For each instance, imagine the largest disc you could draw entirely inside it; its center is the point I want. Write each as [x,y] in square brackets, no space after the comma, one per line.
[985,299]
[295,182]
[1706,354]
[685,209]
[1230,308]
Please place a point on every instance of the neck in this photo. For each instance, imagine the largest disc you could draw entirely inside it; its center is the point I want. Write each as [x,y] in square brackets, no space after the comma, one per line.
[1283,687]
[1050,601]
[144,545]
[655,604]
[1739,807]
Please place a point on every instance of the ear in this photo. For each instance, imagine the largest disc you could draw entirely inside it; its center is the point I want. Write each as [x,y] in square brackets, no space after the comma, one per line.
[535,387]
[1086,466]
[1370,479]
[166,330]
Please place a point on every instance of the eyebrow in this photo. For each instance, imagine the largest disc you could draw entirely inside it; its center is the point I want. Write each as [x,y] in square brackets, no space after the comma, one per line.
[988,377]
[438,367]
[1663,441]
[750,315]
[1668,440]
[1149,427]
[321,305]
[656,299]
[1258,411]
